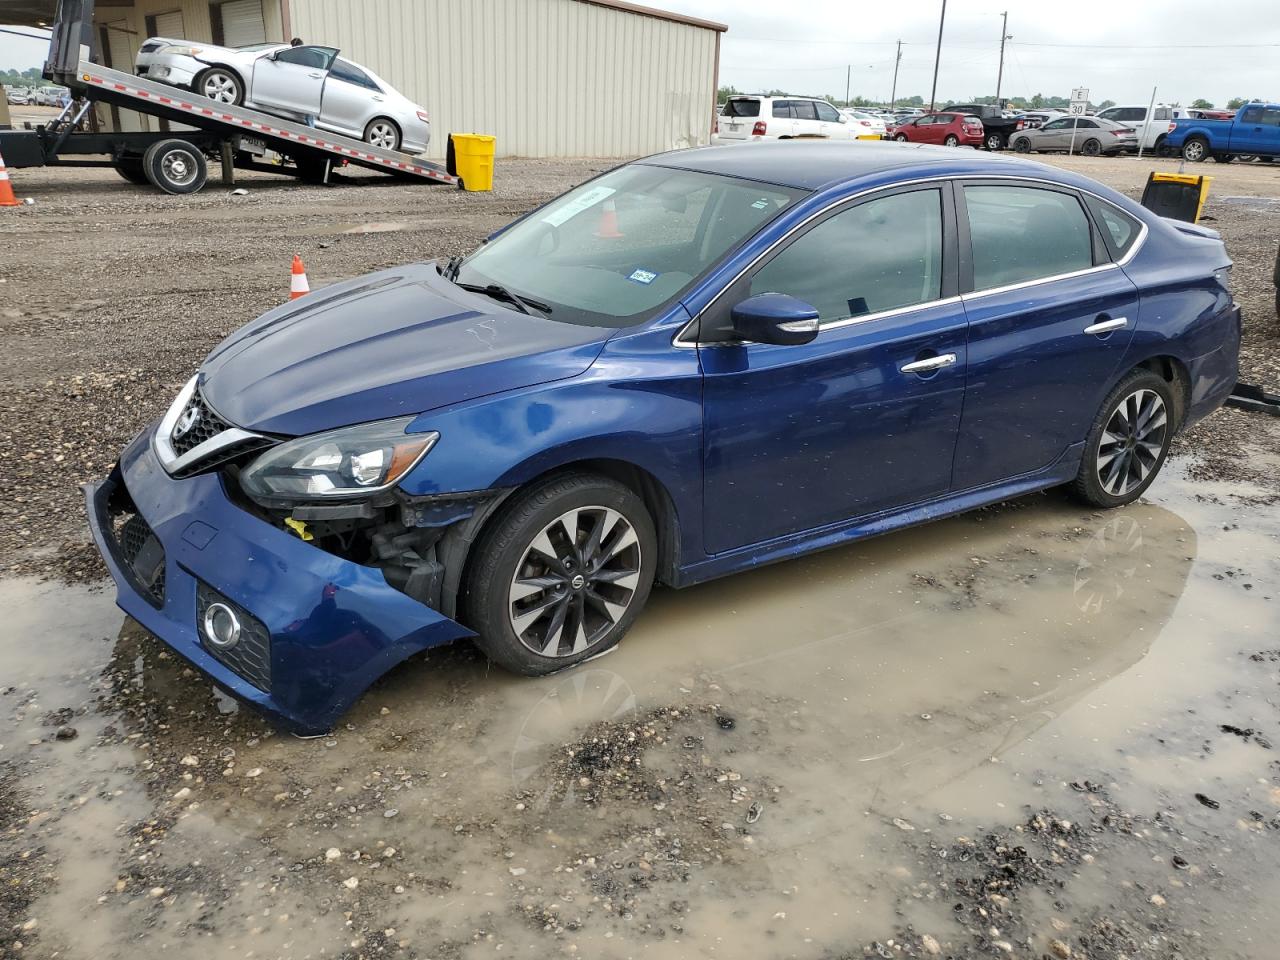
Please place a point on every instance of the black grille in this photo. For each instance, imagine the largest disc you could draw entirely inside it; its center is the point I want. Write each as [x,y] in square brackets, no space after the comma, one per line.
[137,549]
[251,656]
[201,424]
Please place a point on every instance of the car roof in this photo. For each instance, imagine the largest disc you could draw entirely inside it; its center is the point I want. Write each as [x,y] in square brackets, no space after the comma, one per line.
[814,165]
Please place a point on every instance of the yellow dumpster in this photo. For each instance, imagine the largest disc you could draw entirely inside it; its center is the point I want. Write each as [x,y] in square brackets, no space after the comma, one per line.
[471,158]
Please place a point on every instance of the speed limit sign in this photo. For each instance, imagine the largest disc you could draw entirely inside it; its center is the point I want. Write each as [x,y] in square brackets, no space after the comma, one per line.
[1078,108]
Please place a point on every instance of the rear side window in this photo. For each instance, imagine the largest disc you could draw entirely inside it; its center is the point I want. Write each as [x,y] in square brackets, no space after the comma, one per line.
[352,74]
[1119,229]
[1025,233]
[742,108]
[803,110]
[880,255]
[782,108]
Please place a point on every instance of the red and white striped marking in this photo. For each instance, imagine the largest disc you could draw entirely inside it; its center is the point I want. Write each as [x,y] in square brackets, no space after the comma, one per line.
[312,140]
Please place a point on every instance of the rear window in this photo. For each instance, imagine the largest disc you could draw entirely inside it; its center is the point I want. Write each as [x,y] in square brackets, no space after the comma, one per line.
[742,108]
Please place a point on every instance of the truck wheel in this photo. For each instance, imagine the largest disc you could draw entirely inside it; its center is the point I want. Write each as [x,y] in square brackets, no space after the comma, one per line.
[1161,149]
[175,166]
[1090,148]
[131,169]
[994,142]
[1195,150]
[560,573]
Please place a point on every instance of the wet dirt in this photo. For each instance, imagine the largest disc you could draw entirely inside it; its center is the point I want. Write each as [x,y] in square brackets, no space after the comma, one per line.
[983,737]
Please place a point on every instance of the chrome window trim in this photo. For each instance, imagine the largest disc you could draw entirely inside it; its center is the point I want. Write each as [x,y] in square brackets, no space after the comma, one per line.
[679,340]
[1022,284]
[163,447]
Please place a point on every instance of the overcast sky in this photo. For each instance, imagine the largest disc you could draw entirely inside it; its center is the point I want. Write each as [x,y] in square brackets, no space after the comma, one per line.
[1119,49]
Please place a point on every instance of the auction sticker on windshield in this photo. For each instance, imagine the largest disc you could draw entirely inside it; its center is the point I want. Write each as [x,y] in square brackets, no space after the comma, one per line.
[643,276]
[579,203]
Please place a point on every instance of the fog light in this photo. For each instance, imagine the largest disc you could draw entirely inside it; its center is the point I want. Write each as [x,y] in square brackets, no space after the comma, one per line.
[221,626]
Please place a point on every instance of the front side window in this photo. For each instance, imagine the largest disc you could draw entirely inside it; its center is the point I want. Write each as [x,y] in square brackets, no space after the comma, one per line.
[614,250]
[318,58]
[1251,115]
[880,255]
[1055,125]
[1025,233]
[827,112]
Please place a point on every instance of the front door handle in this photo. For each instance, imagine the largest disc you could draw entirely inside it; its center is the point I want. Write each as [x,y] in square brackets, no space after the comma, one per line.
[930,363]
[315,76]
[1106,326]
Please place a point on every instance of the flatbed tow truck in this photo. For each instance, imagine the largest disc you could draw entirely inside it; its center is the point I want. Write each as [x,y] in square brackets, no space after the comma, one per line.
[177,161]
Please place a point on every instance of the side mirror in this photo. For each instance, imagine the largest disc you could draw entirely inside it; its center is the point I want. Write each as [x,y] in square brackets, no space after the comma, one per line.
[775,318]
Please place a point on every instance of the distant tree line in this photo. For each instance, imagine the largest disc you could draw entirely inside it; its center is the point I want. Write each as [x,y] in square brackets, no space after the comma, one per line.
[29,77]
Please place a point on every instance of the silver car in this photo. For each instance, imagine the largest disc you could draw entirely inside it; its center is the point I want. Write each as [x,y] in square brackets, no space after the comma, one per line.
[1091,136]
[306,82]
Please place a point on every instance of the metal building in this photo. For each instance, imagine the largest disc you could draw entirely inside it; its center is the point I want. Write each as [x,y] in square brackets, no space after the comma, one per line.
[549,78]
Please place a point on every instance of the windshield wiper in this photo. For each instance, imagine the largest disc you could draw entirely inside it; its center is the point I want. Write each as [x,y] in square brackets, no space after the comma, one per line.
[498,292]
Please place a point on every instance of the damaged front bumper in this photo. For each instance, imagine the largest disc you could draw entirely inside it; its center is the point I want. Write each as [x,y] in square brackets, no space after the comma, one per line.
[316,629]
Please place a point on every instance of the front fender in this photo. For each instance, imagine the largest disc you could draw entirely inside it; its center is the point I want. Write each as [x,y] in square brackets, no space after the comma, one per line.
[640,404]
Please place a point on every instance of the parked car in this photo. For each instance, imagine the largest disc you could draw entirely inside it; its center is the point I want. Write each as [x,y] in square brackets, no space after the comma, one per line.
[997,128]
[19,98]
[948,129]
[1150,134]
[867,126]
[307,83]
[691,365]
[1090,136]
[781,118]
[1255,131]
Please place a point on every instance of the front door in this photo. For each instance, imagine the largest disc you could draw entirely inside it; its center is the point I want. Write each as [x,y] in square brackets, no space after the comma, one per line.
[863,418]
[1257,129]
[1049,321]
[292,80]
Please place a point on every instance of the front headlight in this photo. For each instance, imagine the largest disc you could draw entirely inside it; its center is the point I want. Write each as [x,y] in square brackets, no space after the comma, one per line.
[350,462]
[181,50]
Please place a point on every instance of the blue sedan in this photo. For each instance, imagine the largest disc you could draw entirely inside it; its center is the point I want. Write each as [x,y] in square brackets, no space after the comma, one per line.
[691,365]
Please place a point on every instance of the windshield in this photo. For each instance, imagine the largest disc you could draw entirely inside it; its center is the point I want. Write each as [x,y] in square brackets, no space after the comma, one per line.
[614,250]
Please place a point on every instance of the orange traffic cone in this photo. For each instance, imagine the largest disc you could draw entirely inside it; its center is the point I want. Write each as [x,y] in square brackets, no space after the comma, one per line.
[298,286]
[7,199]
[608,229]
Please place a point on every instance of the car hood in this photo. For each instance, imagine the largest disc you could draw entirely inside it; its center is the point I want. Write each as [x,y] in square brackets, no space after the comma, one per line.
[393,343]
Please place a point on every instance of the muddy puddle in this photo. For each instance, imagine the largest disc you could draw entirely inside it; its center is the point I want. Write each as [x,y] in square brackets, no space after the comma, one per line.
[985,737]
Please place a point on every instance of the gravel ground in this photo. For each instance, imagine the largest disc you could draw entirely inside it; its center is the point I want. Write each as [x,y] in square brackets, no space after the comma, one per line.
[111,294]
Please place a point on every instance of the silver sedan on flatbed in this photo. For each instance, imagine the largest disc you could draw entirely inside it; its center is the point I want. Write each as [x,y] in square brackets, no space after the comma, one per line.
[304,82]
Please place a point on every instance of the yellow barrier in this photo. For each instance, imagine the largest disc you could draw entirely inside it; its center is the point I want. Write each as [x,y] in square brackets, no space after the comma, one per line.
[472,158]
[1177,195]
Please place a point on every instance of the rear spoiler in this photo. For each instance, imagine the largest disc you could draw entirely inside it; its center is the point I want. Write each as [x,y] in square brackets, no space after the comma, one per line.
[1193,229]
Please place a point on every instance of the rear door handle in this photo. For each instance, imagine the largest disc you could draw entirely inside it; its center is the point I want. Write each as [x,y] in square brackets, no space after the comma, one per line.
[1106,326]
[316,76]
[930,363]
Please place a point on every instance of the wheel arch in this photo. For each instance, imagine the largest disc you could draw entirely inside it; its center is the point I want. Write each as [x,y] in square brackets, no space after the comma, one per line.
[1174,372]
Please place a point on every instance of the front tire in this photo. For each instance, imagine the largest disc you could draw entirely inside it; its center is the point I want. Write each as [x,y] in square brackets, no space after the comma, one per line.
[900,137]
[560,574]
[952,140]
[1128,441]
[221,85]
[1091,148]
[383,133]
[1022,145]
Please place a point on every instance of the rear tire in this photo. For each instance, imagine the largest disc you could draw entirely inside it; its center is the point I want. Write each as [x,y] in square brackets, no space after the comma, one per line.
[994,142]
[1223,157]
[132,169]
[1195,150]
[175,166]
[382,132]
[560,573]
[220,85]
[1128,441]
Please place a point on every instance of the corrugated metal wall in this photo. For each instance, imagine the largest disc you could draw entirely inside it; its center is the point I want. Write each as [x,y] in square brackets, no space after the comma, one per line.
[549,78]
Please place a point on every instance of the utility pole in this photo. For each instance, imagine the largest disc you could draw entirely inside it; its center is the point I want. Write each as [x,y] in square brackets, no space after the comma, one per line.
[937,59]
[893,95]
[1004,35]
[848,71]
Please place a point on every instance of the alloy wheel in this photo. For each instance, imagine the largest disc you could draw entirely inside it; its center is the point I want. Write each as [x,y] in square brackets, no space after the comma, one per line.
[575,582]
[1132,442]
[220,86]
[382,134]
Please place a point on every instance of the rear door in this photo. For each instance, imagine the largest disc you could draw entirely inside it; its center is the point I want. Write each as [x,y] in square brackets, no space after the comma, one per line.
[292,80]
[739,117]
[350,100]
[1050,318]
[804,113]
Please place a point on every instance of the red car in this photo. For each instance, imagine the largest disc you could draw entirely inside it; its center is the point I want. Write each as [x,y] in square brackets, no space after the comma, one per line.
[949,129]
